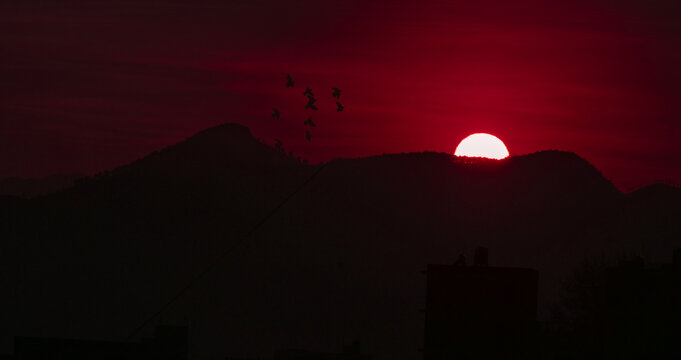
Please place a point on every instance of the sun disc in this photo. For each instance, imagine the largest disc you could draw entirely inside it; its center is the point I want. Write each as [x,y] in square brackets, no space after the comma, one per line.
[482,145]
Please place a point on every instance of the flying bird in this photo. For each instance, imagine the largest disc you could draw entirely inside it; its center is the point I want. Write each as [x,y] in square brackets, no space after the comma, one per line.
[289,81]
[340,107]
[309,122]
[275,113]
[310,103]
[336,93]
[308,136]
[308,92]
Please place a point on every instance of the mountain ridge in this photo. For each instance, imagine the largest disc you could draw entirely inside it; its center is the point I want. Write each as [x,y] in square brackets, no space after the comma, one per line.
[235,142]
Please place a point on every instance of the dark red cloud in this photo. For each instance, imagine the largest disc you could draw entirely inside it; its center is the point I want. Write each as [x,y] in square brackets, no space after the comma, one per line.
[91,85]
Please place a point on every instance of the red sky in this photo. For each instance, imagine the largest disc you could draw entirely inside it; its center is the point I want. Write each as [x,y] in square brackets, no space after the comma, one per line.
[89,85]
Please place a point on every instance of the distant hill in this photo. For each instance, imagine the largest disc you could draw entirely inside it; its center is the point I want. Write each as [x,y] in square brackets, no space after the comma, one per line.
[340,261]
[223,149]
[32,187]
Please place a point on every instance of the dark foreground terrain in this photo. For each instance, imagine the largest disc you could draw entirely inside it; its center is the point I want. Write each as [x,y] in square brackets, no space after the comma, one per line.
[341,261]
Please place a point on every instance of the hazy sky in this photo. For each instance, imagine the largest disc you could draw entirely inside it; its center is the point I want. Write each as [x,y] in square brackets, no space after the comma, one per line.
[89,85]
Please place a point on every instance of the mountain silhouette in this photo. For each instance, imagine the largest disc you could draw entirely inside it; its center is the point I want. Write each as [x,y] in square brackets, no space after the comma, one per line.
[341,260]
[220,150]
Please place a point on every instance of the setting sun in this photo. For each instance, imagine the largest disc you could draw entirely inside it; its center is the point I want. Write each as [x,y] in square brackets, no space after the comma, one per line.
[482,145]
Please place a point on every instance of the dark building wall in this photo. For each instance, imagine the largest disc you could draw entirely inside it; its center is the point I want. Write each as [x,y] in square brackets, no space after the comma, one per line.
[479,312]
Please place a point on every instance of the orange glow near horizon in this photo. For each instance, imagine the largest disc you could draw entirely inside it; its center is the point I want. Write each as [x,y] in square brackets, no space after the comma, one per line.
[482,145]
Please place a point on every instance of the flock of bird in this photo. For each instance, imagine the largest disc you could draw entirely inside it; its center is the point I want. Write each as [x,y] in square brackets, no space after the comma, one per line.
[311,100]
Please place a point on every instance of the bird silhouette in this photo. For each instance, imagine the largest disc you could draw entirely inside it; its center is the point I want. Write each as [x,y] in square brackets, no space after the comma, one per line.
[308,136]
[309,122]
[336,93]
[275,113]
[340,107]
[289,81]
[310,103]
[278,144]
[308,92]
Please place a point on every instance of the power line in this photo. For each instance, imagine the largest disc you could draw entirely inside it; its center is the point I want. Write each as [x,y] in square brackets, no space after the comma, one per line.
[224,254]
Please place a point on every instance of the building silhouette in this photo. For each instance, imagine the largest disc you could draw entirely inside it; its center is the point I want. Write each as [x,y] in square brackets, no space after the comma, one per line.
[479,311]
[169,343]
